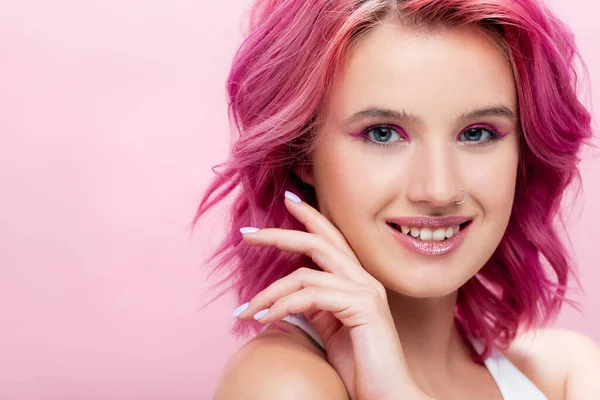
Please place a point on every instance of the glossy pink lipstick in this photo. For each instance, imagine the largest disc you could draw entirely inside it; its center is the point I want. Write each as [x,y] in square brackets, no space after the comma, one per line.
[430,248]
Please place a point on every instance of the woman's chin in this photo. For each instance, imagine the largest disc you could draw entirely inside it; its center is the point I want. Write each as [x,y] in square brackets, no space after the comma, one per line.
[427,283]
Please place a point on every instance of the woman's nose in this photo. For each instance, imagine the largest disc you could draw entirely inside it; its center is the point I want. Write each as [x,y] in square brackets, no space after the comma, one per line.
[434,177]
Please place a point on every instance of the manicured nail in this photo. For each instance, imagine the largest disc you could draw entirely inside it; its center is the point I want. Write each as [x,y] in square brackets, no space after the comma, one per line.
[292,197]
[261,314]
[238,311]
[248,229]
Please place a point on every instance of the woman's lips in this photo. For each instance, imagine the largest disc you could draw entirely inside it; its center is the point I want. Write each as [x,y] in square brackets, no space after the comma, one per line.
[431,247]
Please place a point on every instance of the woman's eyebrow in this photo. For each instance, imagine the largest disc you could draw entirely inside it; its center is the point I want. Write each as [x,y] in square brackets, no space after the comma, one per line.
[500,111]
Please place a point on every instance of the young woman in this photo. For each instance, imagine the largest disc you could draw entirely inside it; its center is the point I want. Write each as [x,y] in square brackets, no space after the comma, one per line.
[401,164]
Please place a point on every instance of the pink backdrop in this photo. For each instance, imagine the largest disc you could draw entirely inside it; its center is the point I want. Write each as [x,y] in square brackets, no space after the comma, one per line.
[113,113]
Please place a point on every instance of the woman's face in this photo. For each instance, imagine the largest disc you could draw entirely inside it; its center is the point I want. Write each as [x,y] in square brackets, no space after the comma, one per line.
[412,160]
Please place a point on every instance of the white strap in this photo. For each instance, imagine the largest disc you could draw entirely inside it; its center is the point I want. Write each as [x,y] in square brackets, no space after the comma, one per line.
[513,384]
[303,324]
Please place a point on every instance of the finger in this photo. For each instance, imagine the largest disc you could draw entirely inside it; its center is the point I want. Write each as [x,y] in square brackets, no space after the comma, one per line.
[341,303]
[315,222]
[297,280]
[324,253]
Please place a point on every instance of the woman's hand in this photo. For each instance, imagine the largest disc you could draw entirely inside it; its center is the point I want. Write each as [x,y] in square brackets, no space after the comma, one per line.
[346,306]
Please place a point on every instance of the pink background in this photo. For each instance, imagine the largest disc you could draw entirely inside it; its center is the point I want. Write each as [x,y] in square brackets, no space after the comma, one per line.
[112,114]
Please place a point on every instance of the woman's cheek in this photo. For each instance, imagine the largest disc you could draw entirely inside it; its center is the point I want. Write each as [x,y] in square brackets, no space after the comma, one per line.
[345,176]
[492,181]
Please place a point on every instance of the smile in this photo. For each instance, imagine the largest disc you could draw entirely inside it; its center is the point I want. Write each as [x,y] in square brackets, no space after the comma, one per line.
[429,234]
[430,237]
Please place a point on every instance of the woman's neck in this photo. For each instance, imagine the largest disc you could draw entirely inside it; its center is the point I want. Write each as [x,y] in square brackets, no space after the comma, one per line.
[432,344]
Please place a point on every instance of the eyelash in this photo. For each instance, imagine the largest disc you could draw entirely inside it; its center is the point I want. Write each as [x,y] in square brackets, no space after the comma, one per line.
[365,137]
[494,135]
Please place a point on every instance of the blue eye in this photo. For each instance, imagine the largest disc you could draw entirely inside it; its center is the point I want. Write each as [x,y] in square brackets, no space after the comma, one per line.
[382,135]
[479,135]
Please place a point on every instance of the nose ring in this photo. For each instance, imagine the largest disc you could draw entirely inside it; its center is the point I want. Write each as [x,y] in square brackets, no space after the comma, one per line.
[465,198]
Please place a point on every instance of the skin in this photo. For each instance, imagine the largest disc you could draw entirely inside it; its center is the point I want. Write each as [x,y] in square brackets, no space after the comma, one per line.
[449,73]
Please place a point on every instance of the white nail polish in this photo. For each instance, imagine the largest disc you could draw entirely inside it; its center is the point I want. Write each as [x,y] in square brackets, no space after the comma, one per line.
[261,314]
[238,311]
[249,229]
[292,197]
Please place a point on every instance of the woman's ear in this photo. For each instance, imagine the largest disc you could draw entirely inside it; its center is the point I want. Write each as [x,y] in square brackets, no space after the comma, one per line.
[304,171]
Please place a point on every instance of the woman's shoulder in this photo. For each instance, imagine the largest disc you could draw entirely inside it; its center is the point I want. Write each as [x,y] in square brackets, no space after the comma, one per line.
[276,365]
[555,360]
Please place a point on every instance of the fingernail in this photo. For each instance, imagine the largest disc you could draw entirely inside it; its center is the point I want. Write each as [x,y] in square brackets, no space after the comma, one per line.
[238,311]
[292,197]
[261,314]
[249,229]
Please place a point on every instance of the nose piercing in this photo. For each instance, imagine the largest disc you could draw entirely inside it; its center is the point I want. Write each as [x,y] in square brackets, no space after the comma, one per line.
[465,198]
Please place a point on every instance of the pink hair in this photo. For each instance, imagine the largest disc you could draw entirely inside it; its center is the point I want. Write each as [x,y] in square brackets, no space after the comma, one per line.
[280,79]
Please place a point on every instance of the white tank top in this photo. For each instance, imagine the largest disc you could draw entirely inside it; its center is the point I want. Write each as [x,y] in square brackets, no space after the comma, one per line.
[513,384]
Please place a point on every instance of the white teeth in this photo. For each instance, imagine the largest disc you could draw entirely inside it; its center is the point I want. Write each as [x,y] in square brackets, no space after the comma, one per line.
[439,234]
[428,234]
[449,232]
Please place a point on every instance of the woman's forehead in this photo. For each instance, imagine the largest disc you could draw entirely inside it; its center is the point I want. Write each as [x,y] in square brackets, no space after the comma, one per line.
[395,67]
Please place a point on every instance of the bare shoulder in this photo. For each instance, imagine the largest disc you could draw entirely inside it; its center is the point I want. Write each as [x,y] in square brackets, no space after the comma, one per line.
[280,365]
[558,361]
[570,349]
